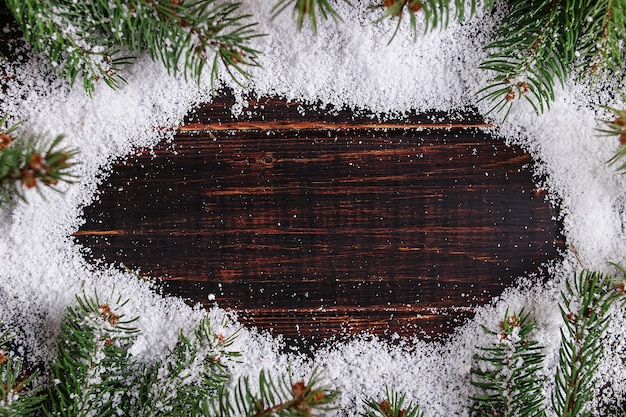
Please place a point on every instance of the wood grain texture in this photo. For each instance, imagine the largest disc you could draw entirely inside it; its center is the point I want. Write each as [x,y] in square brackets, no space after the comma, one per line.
[310,231]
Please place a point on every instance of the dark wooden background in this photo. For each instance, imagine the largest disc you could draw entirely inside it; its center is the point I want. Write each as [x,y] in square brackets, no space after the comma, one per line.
[311,223]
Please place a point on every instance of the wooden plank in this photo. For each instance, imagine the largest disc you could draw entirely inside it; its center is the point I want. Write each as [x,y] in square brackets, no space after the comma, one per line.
[309,225]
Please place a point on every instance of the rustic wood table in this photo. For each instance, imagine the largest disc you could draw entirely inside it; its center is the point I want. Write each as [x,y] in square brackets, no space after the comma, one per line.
[311,223]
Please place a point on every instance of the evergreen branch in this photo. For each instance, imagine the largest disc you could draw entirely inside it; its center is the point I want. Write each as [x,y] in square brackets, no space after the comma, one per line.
[65,31]
[584,308]
[191,30]
[188,378]
[617,127]
[304,8]
[620,284]
[30,163]
[543,41]
[601,46]
[273,399]
[94,39]
[436,12]
[532,50]
[396,9]
[508,375]
[17,396]
[92,368]
[391,406]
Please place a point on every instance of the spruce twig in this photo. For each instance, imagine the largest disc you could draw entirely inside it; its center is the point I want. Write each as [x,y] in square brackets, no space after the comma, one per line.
[94,39]
[532,50]
[542,42]
[31,163]
[93,367]
[437,13]
[282,398]
[17,395]
[617,127]
[307,8]
[391,406]
[189,377]
[601,46]
[508,375]
[584,308]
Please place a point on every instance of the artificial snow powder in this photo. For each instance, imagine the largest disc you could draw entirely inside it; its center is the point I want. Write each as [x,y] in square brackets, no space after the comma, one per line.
[348,63]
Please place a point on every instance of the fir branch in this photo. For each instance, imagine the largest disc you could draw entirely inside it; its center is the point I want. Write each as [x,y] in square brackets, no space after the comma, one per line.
[188,378]
[273,399]
[436,12]
[31,163]
[508,374]
[65,31]
[94,39]
[18,397]
[192,30]
[601,48]
[584,308]
[307,8]
[391,406]
[543,41]
[93,367]
[620,285]
[532,50]
[397,8]
[617,127]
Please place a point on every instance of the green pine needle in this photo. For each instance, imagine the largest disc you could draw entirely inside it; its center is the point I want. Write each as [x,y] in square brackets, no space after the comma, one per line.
[437,13]
[171,388]
[600,47]
[532,50]
[94,375]
[18,397]
[393,405]
[617,127]
[93,40]
[93,366]
[542,42]
[307,8]
[508,374]
[273,398]
[584,308]
[31,163]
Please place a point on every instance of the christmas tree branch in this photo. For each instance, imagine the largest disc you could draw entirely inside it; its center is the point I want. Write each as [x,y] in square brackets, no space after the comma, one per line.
[307,8]
[93,367]
[282,398]
[584,308]
[189,377]
[94,39]
[600,45]
[532,50]
[18,397]
[54,27]
[436,12]
[508,371]
[617,127]
[94,374]
[541,42]
[391,406]
[30,163]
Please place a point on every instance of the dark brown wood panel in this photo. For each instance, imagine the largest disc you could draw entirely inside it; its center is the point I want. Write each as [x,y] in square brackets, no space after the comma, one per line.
[310,230]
